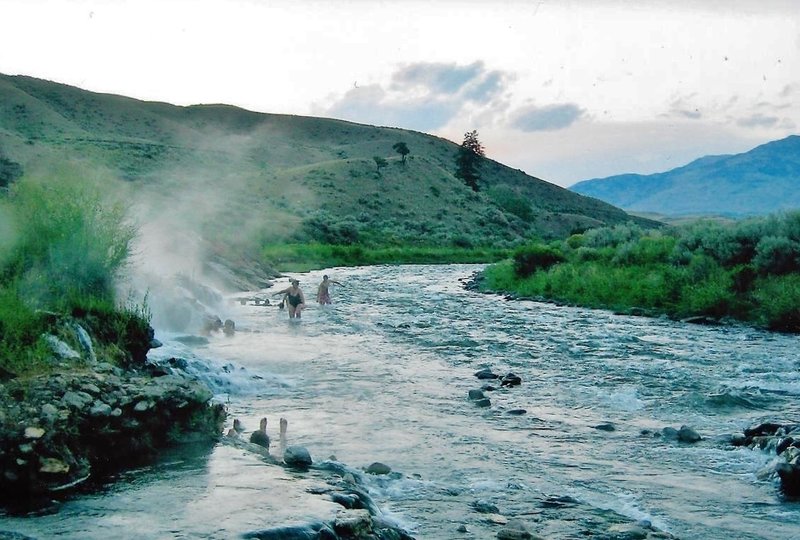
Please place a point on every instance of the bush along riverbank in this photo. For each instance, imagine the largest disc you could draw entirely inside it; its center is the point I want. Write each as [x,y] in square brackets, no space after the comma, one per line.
[707,271]
[77,397]
[88,414]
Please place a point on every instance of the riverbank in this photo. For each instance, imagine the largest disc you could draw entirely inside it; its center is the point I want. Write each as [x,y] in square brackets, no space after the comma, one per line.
[74,426]
[306,257]
[748,271]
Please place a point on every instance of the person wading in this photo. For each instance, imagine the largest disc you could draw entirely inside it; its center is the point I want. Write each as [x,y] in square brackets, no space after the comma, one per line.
[323,292]
[295,300]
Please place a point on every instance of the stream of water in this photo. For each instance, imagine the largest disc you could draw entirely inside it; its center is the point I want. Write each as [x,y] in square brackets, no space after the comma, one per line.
[383,375]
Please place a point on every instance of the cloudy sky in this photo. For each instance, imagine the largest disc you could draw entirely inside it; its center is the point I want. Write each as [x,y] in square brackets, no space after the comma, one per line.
[565,90]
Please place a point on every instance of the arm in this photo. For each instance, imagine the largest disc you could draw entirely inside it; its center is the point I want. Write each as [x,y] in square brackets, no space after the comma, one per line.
[284,291]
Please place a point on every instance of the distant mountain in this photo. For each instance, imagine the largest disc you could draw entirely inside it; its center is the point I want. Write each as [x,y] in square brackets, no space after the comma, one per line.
[761,181]
[241,178]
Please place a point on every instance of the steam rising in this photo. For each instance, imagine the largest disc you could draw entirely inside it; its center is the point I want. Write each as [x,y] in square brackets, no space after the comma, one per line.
[212,205]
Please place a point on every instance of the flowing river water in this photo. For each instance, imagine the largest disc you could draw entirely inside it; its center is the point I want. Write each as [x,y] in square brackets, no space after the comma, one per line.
[383,375]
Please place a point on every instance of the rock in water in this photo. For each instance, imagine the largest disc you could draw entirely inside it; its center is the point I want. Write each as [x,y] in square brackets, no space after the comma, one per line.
[297,456]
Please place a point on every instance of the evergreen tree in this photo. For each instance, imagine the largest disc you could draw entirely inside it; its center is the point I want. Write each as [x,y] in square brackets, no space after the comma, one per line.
[402,149]
[468,160]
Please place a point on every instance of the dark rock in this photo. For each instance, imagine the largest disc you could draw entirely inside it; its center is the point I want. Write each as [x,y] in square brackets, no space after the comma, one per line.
[688,435]
[297,457]
[559,501]
[484,507]
[510,380]
[517,412]
[606,426]
[784,444]
[485,402]
[312,531]
[670,433]
[790,478]
[356,523]
[378,468]
[348,500]
[515,530]
[486,373]
[476,394]
[739,440]
[488,388]
[760,430]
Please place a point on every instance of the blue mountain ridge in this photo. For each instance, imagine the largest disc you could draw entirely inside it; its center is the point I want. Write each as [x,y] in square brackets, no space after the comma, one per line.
[761,181]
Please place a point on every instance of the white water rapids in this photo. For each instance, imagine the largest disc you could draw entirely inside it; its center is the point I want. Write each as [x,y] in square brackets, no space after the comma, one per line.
[383,375]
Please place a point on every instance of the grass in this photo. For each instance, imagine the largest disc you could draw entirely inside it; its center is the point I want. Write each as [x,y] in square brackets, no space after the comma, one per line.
[59,262]
[304,257]
[748,271]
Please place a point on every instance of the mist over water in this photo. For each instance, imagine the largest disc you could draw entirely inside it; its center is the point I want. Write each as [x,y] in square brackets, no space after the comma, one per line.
[383,375]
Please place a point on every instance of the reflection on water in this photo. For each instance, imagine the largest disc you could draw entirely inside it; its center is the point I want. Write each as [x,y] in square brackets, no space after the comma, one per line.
[383,375]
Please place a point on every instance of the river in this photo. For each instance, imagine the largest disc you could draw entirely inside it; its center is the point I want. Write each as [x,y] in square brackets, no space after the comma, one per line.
[383,375]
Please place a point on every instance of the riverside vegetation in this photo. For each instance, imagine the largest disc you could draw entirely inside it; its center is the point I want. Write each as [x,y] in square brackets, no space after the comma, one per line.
[747,270]
[77,398]
[238,180]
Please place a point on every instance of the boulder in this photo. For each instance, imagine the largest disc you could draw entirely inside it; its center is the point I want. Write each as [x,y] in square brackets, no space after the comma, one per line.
[484,507]
[688,435]
[297,457]
[486,373]
[378,468]
[476,394]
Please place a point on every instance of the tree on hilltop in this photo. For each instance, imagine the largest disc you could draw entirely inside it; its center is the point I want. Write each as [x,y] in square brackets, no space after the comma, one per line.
[402,149]
[469,158]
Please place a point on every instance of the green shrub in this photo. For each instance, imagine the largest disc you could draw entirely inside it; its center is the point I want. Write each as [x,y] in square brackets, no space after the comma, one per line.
[65,254]
[778,300]
[777,255]
[71,245]
[529,259]
[512,202]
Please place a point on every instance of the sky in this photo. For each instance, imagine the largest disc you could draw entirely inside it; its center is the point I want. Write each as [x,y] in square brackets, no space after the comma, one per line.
[565,90]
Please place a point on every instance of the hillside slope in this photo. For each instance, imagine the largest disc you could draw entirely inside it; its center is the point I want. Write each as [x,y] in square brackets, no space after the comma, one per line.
[240,178]
[761,181]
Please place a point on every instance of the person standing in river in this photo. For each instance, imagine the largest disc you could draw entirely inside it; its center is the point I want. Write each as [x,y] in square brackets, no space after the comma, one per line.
[323,292]
[295,299]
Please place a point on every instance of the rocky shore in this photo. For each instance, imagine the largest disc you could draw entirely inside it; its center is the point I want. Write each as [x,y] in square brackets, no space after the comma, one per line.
[784,440]
[85,417]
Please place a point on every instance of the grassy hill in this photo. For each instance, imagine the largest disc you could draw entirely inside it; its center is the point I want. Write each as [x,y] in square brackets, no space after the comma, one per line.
[761,181]
[238,180]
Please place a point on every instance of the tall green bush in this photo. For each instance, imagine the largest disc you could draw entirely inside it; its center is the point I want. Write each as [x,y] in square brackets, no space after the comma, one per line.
[70,243]
[529,259]
[63,248]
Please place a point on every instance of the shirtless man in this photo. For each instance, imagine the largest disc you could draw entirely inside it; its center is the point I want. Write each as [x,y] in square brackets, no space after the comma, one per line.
[295,300]
[323,294]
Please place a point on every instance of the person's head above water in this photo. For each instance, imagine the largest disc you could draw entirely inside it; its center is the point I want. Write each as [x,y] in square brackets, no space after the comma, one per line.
[325,278]
[294,282]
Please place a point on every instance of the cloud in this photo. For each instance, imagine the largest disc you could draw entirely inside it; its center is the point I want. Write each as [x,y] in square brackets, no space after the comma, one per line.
[758,120]
[436,77]
[423,96]
[547,118]
[373,105]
